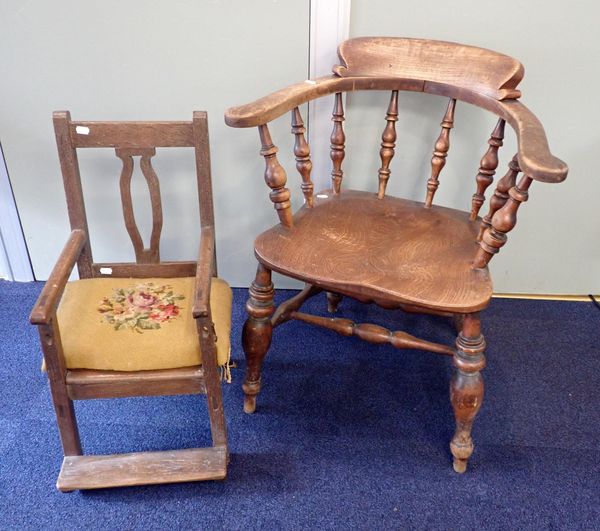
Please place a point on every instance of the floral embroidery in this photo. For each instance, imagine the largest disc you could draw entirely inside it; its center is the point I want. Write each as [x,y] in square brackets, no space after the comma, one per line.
[143,307]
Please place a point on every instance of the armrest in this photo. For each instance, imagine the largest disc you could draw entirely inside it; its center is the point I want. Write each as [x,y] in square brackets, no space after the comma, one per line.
[206,257]
[46,304]
[274,105]
[535,159]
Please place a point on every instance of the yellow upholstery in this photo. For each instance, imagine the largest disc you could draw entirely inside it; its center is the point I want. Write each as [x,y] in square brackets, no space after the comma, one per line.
[134,324]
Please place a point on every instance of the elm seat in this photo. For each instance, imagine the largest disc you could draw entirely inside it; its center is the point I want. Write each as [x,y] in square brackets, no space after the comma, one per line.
[418,256]
[147,338]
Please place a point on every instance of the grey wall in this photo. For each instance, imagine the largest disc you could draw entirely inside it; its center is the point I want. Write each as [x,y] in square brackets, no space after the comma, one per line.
[144,60]
[161,60]
[554,247]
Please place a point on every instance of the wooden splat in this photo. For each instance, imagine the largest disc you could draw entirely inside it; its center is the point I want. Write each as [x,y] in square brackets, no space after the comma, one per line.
[142,255]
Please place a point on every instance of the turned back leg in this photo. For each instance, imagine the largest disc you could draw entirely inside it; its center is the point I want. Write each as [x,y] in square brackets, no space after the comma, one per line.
[466,388]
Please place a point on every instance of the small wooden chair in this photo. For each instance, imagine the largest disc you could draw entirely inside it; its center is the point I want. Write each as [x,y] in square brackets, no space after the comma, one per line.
[134,329]
[416,256]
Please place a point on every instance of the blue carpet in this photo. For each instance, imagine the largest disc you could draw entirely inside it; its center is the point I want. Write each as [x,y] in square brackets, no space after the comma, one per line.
[347,435]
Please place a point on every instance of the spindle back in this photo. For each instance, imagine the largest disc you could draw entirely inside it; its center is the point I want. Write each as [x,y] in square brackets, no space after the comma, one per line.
[473,75]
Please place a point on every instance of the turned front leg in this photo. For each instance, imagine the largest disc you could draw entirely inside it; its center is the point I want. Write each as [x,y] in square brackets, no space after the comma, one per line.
[257,332]
[466,388]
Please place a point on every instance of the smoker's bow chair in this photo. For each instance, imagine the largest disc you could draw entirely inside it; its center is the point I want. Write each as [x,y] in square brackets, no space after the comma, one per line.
[134,329]
[416,256]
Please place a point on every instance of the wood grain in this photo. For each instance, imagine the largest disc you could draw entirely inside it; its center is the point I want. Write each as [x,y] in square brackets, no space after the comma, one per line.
[142,468]
[391,249]
[83,384]
[131,134]
[45,306]
[161,270]
[490,73]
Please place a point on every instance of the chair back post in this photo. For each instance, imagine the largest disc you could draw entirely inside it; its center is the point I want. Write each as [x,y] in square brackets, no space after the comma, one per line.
[73,190]
[203,174]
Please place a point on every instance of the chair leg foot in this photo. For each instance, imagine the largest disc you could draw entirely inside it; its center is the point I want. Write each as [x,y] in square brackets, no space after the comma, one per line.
[249,404]
[459,465]
[257,333]
[466,388]
[333,301]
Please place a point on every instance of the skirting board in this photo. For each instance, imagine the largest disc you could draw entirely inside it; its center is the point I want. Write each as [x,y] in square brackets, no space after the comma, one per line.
[545,297]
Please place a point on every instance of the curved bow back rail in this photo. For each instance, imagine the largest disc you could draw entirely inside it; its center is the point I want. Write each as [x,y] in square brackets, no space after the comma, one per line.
[484,71]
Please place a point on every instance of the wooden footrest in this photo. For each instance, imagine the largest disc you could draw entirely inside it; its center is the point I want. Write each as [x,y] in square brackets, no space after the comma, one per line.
[142,468]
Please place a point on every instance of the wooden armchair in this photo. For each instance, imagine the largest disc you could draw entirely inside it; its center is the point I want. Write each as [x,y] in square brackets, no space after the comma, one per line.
[416,256]
[134,329]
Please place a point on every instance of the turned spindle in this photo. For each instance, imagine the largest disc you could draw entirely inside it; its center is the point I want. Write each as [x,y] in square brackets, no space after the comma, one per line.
[338,138]
[440,152]
[388,143]
[498,200]
[503,221]
[302,153]
[275,177]
[487,168]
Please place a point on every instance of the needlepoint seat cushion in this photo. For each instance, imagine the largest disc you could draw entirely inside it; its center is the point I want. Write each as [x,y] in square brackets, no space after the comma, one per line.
[384,249]
[137,324]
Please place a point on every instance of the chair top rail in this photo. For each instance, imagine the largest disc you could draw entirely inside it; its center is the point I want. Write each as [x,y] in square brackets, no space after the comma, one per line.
[484,71]
[535,158]
[133,134]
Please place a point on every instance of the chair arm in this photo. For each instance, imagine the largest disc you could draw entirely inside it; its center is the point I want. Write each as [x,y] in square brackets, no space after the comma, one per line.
[49,298]
[535,159]
[274,105]
[206,257]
